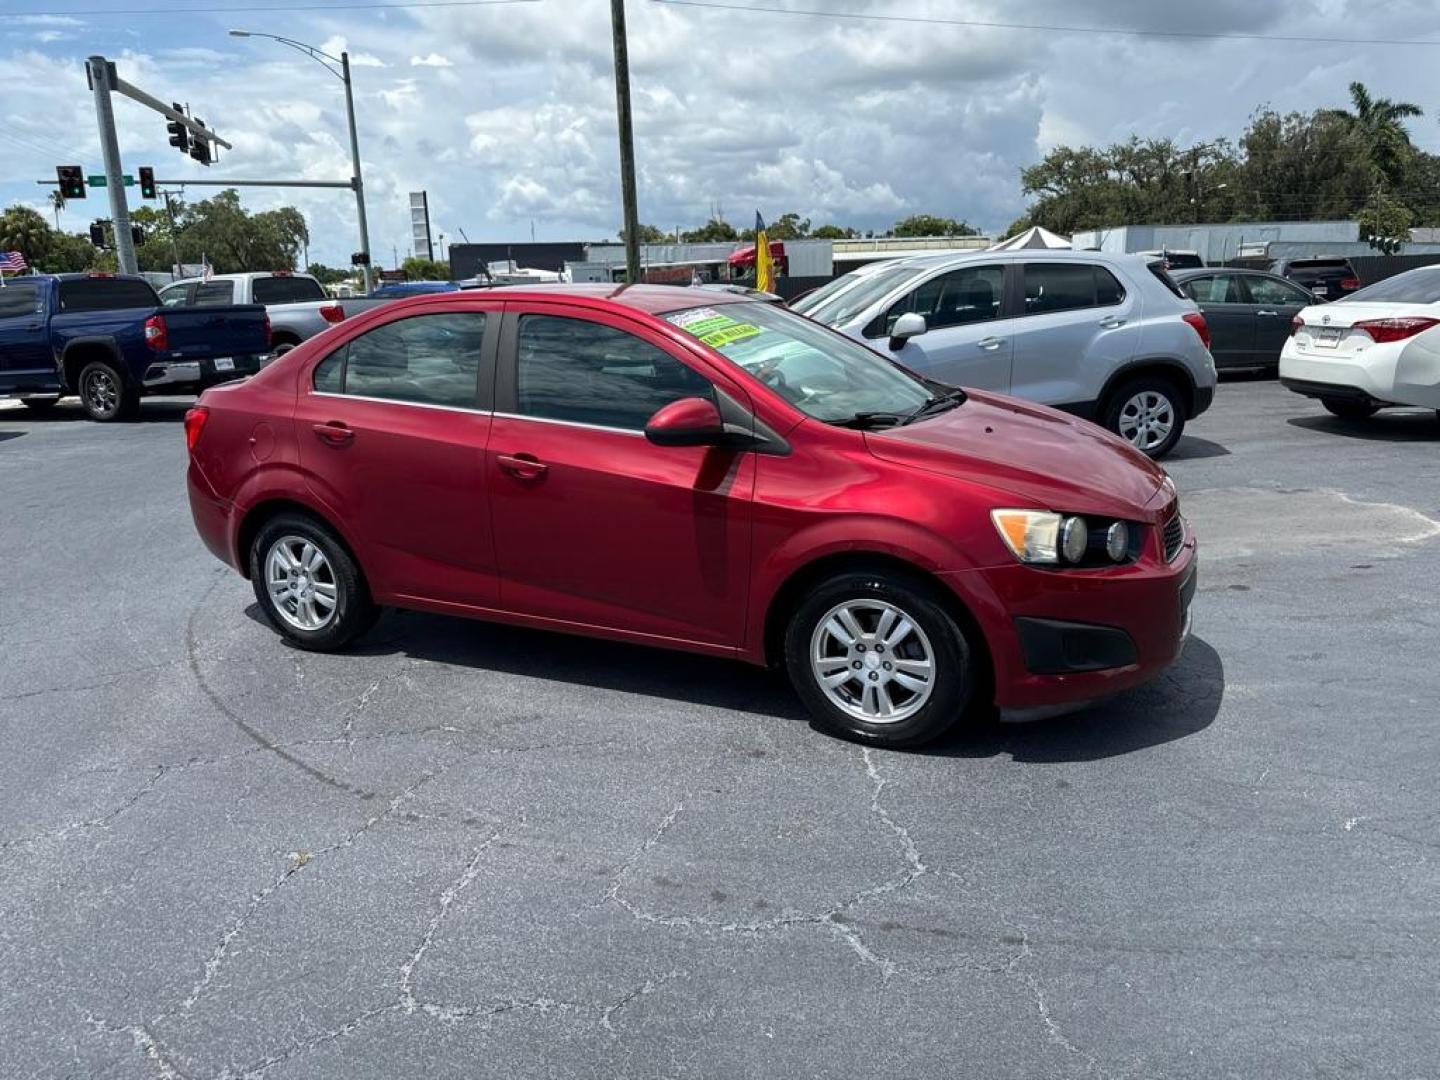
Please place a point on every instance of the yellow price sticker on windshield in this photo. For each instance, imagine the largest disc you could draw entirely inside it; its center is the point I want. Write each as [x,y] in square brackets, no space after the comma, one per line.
[732,333]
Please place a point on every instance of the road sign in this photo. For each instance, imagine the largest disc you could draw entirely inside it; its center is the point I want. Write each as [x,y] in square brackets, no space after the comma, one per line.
[98,180]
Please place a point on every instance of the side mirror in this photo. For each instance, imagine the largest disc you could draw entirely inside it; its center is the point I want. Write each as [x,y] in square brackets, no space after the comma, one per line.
[907,326]
[691,421]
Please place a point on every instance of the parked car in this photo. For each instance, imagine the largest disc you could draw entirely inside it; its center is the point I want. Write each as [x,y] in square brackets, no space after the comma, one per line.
[822,293]
[1377,347]
[395,290]
[1107,337]
[723,477]
[1248,312]
[1328,278]
[107,338]
[1176,258]
[298,305]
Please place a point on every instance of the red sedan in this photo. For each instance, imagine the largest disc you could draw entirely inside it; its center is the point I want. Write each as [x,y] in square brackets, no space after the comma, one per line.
[702,472]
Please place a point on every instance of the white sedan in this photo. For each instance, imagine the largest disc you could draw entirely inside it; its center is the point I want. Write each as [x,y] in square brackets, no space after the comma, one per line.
[1376,347]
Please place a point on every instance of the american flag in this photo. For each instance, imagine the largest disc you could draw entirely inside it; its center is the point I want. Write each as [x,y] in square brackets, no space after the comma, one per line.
[12,261]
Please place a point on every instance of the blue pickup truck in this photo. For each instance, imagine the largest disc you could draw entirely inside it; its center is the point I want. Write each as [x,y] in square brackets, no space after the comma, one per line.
[107,339]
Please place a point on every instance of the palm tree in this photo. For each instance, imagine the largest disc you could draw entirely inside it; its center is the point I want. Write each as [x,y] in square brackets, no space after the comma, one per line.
[26,231]
[1378,122]
[57,203]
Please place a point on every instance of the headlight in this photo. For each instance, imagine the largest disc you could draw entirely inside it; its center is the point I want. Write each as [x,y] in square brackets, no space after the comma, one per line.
[1117,541]
[1041,537]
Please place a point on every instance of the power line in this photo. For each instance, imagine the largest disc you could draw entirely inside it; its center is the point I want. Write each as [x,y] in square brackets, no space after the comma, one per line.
[928,20]
[214,9]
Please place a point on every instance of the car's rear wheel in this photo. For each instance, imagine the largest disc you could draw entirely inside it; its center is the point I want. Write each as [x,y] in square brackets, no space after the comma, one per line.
[1349,410]
[39,404]
[1148,413]
[105,394]
[877,658]
[308,585]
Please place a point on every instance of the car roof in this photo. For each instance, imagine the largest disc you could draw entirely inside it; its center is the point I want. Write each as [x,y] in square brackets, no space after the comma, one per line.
[652,299]
[1185,273]
[84,275]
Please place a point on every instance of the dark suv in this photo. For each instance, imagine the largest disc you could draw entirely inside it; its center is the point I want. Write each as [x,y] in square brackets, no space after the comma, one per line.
[1328,278]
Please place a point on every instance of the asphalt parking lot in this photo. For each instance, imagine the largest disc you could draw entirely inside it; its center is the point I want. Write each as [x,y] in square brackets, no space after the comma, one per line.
[479,851]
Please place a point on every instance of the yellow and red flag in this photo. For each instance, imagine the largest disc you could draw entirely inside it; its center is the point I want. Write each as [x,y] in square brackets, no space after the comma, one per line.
[764,267]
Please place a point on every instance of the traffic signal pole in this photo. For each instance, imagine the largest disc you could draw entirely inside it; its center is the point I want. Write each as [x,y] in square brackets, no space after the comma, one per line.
[114,177]
[355,164]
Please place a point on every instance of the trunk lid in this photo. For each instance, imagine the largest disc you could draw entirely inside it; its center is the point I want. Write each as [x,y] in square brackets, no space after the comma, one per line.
[1328,331]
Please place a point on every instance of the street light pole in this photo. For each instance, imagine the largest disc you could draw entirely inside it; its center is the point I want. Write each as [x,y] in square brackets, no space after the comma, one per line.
[357,181]
[627,142]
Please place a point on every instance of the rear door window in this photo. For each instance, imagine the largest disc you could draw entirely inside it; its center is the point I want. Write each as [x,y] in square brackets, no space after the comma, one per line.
[1214,289]
[105,294]
[424,359]
[285,290]
[1052,287]
[214,293]
[1265,290]
[177,295]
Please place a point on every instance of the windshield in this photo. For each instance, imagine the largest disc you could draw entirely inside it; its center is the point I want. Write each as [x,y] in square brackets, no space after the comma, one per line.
[844,306]
[1418,286]
[821,373]
[830,288]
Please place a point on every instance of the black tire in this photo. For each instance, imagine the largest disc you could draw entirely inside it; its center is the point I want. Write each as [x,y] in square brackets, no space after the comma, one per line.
[39,404]
[105,394]
[354,612]
[1121,397]
[1346,409]
[952,684]
[282,347]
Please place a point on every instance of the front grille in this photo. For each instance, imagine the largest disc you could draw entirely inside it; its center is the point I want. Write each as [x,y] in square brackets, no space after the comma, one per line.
[1174,536]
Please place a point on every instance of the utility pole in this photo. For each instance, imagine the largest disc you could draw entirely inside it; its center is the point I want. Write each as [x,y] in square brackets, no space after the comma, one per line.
[355,163]
[627,142]
[99,69]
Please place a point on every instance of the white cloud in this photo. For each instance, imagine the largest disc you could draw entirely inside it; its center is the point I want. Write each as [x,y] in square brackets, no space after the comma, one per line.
[433,60]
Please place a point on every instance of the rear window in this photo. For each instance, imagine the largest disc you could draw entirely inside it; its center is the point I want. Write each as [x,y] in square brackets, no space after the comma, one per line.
[19,298]
[1321,264]
[1419,286]
[285,290]
[105,294]
[214,293]
[1158,269]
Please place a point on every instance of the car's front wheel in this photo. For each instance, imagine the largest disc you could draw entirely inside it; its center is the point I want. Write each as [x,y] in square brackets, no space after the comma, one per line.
[308,585]
[1349,410]
[1148,413]
[877,658]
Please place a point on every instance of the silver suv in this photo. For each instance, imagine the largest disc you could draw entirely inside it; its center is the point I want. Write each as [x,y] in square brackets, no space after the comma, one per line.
[1107,337]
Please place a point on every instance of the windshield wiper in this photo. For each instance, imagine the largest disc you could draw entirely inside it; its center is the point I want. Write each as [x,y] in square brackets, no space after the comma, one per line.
[938,403]
[868,421]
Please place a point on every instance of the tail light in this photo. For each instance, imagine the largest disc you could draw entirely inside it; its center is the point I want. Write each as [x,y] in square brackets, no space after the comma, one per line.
[1383,330]
[332,313]
[1199,325]
[194,425]
[1350,283]
[267,330]
[1295,325]
[157,336]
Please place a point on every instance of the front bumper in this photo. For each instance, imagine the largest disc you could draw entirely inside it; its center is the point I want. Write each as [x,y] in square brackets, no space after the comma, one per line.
[1065,638]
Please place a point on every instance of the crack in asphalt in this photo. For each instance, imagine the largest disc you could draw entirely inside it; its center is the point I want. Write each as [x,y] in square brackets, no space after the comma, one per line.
[100,822]
[1053,1031]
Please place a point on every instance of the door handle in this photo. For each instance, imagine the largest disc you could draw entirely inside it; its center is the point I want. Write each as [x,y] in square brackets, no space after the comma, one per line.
[335,433]
[523,466]
[1110,322]
[990,343]
[1267,313]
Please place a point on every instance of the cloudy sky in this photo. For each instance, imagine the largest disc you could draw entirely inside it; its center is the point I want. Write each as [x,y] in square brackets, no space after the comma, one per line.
[505,113]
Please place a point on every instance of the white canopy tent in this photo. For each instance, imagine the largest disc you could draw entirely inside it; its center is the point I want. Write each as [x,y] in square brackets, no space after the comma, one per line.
[1033,237]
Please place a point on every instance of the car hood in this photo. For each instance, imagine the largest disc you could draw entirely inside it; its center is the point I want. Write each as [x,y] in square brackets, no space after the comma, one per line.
[1042,456]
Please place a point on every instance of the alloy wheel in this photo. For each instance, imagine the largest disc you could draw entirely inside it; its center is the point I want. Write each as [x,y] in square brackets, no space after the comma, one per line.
[101,392]
[1146,420]
[872,661]
[301,583]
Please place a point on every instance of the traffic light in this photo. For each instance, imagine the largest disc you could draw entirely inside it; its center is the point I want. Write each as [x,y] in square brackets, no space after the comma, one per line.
[147,182]
[200,148]
[72,181]
[359,259]
[97,234]
[179,135]
[137,235]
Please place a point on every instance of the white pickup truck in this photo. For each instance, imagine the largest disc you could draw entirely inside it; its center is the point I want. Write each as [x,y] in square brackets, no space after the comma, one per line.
[297,304]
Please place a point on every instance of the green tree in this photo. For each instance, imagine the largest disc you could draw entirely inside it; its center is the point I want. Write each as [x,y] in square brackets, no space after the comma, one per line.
[713,231]
[234,240]
[1379,122]
[71,253]
[930,225]
[328,275]
[1385,224]
[26,231]
[649,234]
[833,232]
[418,269]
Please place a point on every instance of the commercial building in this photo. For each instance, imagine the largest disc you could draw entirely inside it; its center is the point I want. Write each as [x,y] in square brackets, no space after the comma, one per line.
[1218,243]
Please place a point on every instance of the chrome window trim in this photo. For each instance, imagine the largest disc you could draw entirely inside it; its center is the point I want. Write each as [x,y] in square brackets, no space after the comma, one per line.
[403,401]
[569,423]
